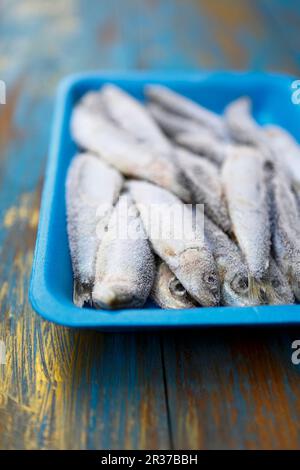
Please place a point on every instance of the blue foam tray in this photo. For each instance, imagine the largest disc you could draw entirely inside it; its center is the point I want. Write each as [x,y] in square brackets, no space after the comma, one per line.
[51,279]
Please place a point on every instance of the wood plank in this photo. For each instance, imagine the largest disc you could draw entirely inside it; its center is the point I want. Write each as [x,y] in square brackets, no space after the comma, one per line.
[242,37]
[66,389]
[233,389]
[59,388]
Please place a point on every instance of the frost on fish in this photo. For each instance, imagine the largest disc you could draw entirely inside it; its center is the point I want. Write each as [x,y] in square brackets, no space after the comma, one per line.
[188,256]
[206,186]
[179,104]
[173,124]
[287,152]
[285,228]
[244,182]
[125,266]
[242,127]
[203,143]
[232,269]
[278,291]
[93,131]
[168,292]
[131,116]
[91,190]
[233,273]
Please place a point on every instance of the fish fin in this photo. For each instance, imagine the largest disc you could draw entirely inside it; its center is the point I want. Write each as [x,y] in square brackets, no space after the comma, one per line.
[81,293]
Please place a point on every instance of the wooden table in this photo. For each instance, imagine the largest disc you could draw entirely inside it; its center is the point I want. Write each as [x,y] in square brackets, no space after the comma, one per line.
[218,388]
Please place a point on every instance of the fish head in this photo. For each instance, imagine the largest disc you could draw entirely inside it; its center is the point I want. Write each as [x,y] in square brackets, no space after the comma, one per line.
[278,289]
[235,289]
[114,296]
[294,279]
[199,276]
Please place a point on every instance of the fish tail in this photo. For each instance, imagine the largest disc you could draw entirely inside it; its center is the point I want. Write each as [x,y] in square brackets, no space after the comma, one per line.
[81,293]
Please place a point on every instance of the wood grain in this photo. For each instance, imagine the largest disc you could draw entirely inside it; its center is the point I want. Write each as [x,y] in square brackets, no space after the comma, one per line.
[63,389]
[233,389]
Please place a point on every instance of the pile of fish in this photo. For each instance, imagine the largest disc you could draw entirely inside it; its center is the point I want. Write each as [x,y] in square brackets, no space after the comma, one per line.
[173,151]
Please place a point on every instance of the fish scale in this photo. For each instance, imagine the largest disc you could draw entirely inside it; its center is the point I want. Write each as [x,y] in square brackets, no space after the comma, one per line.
[92,188]
[189,256]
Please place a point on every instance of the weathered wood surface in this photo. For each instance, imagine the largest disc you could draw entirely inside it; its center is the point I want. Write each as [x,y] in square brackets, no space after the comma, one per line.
[66,389]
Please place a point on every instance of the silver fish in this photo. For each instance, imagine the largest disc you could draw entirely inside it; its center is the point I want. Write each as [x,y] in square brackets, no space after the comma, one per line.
[92,188]
[241,125]
[287,151]
[203,143]
[173,124]
[277,289]
[125,266]
[206,186]
[131,116]
[186,253]
[179,104]
[168,292]
[232,269]
[92,130]
[233,273]
[285,227]
[244,182]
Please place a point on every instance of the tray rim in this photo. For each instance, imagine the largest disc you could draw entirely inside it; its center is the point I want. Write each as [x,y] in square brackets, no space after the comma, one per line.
[48,306]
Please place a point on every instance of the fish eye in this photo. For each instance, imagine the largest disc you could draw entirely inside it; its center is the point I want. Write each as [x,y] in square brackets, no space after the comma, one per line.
[240,283]
[176,288]
[210,279]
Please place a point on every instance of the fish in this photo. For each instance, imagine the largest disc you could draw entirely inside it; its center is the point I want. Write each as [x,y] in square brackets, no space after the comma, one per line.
[203,143]
[180,105]
[168,292]
[173,124]
[92,188]
[91,130]
[287,152]
[206,186]
[244,183]
[234,276]
[241,126]
[178,240]
[131,116]
[125,265]
[278,290]
[232,269]
[285,229]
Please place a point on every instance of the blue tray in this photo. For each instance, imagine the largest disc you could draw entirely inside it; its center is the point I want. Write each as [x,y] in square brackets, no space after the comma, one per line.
[51,279]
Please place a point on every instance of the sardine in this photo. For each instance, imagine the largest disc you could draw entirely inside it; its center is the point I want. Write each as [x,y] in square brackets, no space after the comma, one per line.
[92,130]
[173,124]
[287,151]
[167,291]
[285,229]
[125,266]
[179,104]
[232,269]
[277,289]
[92,188]
[203,143]
[233,273]
[244,182]
[206,186]
[242,127]
[177,241]
[131,116]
